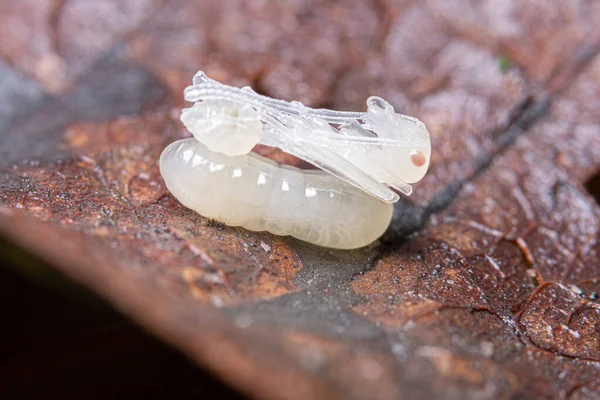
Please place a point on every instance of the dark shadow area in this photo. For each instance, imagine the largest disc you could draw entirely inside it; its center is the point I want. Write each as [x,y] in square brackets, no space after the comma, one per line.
[593,187]
[57,340]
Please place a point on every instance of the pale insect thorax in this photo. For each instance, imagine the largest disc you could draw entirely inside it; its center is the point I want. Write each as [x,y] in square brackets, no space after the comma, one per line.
[224,126]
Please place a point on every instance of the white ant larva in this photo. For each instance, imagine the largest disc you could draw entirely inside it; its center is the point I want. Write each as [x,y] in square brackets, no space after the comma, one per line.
[364,158]
[260,195]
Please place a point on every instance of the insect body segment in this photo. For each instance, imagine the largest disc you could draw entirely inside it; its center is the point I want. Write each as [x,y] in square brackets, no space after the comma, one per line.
[224,126]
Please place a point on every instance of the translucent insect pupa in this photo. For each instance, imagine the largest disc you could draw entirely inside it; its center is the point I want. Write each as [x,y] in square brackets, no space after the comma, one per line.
[365,159]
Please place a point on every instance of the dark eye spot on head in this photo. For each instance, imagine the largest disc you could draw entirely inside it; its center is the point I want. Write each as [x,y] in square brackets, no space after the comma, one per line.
[417,158]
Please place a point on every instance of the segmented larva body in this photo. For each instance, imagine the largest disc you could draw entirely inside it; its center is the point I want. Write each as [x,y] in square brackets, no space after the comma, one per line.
[261,195]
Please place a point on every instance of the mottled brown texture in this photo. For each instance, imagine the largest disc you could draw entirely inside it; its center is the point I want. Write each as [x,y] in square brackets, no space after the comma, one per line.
[486,284]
